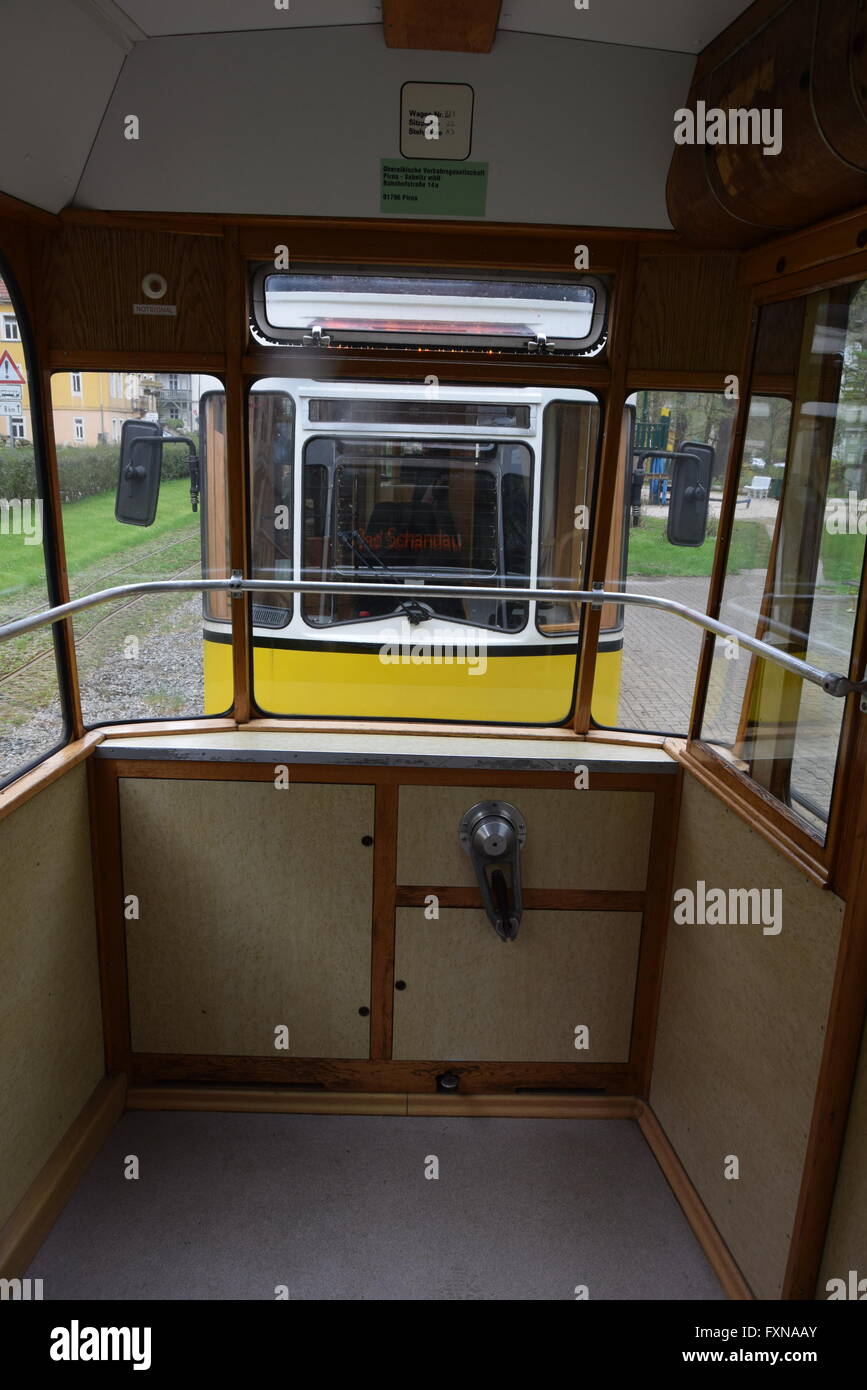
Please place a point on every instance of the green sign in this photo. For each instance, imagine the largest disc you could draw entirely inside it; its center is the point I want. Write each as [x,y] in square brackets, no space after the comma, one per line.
[435,187]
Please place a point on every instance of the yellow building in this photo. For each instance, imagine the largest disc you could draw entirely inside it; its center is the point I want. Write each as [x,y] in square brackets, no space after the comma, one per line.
[14,407]
[90,407]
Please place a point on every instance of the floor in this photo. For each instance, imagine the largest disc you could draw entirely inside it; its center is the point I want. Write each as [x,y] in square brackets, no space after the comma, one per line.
[327,1207]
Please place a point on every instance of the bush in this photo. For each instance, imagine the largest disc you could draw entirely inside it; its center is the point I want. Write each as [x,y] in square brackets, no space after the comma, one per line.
[83,471]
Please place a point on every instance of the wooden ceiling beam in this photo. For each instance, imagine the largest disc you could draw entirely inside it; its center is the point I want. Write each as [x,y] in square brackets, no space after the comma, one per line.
[456,26]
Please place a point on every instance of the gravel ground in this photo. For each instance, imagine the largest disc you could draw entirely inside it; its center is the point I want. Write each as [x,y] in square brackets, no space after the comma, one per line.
[165,680]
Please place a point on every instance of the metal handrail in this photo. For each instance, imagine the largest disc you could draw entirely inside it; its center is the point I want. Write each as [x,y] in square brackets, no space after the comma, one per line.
[831,682]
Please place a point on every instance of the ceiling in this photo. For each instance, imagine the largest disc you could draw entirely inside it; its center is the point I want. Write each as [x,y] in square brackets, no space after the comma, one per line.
[253,109]
[680,26]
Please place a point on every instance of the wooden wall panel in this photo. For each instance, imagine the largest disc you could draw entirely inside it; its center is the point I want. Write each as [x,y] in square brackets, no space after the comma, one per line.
[459,26]
[471,997]
[805,61]
[255,911]
[575,839]
[846,1246]
[690,314]
[739,1041]
[91,278]
[51,1052]
[778,343]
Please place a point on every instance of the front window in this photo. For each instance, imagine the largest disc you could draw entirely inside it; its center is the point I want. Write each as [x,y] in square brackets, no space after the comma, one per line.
[484,490]
[443,511]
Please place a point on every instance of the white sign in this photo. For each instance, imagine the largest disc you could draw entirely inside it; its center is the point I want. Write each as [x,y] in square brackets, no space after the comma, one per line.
[10,395]
[436,120]
[8,370]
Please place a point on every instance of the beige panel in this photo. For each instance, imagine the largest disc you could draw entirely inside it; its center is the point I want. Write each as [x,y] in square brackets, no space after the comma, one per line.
[741,1028]
[255,912]
[51,1050]
[472,997]
[575,839]
[846,1246]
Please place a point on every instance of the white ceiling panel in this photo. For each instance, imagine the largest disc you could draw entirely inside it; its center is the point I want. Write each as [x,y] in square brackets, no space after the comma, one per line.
[295,124]
[683,26]
[59,68]
[157,17]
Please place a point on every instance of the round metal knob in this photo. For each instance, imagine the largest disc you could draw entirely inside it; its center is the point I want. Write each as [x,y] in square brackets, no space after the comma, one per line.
[494,837]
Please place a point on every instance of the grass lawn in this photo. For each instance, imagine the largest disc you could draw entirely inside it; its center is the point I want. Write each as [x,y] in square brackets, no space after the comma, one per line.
[842,557]
[651,554]
[101,552]
[92,535]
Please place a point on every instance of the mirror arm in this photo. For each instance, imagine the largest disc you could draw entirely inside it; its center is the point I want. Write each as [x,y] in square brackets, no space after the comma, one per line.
[192,461]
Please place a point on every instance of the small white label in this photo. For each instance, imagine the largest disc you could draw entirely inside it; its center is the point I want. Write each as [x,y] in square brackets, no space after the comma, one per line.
[436,120]
[168,310]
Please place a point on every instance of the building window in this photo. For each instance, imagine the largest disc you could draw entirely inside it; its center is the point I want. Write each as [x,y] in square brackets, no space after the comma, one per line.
[174,412]
[16,426]
[114,387]
[76,383]
[78,424]
[11,332]
[173,381]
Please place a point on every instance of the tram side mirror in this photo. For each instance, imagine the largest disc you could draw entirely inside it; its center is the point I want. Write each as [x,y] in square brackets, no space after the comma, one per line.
[692,471]
[138,482]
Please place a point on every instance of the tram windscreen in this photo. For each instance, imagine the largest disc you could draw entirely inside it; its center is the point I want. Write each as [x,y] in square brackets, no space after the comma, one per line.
[417,511]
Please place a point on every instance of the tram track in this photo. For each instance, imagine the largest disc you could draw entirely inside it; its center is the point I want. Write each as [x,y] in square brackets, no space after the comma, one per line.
[81,637]
[107,574]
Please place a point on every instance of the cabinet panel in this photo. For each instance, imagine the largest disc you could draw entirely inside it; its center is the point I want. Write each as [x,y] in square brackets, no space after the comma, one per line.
[471,997]
[575,839]
[255,911]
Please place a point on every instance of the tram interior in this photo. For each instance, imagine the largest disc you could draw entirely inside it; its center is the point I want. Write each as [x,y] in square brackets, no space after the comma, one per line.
[360,945]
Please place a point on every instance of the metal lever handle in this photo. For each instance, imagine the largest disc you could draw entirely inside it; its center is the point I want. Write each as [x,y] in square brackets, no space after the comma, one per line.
[493,834]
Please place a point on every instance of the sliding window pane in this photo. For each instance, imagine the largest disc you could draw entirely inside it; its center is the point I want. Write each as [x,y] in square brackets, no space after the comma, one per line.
[146,656]
[784,731]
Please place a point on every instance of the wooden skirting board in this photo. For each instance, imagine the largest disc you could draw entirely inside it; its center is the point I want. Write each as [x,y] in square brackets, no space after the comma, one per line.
[284,1101]
[703,1228]
[52,1188]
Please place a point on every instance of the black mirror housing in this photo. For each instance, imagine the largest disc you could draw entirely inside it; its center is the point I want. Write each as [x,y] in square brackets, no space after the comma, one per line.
[692,471]
[138,481]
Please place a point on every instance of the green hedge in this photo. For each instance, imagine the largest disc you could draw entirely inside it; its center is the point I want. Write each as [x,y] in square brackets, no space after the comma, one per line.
[83,471]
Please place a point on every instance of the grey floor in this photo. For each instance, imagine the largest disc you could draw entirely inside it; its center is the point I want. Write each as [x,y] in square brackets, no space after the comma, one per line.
[338,1207]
